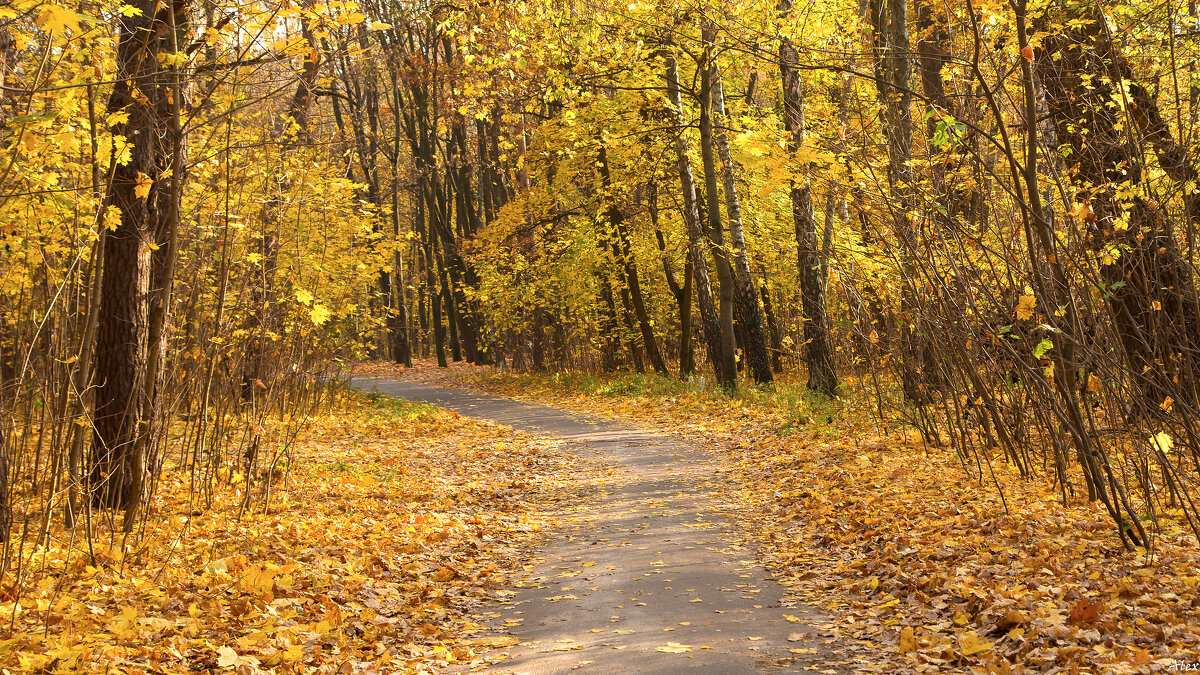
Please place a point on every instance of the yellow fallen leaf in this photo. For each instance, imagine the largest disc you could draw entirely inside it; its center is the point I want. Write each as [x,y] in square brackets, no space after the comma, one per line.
[908,640]
[444,573]
[970,644]
[673,648]
[226,657]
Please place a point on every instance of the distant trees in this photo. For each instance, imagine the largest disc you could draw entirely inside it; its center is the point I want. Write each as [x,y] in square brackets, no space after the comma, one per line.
[1005,258]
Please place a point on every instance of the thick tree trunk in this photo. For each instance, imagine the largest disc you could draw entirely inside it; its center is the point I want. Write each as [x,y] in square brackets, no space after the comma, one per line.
[137,191]
[818,348]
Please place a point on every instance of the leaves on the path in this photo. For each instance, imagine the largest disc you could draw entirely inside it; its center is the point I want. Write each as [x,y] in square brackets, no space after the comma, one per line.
[860,521]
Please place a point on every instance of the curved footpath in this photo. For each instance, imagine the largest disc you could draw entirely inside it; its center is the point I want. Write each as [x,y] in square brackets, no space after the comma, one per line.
[652,580]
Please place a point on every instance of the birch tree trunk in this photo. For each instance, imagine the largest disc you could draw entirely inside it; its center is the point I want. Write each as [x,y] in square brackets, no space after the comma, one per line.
[691,215]
[749,313]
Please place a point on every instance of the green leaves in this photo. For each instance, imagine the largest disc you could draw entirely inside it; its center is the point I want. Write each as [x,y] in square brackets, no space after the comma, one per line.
[1044,346]
[948,132]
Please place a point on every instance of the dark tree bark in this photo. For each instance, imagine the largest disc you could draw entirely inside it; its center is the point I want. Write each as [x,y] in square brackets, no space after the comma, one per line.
[773,326]
[634,349]
[136,190]
[623,248]
[681,292]
[610,345]
[893,71]
[716,231]
[1153,300]
[818,348]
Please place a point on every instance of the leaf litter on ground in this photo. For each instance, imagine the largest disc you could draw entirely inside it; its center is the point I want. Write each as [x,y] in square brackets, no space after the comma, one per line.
[374,554]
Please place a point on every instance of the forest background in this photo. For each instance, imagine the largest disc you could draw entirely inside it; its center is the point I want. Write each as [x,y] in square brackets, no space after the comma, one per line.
[976,219]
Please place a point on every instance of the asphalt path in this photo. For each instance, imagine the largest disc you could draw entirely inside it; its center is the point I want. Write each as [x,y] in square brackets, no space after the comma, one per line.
[653,577]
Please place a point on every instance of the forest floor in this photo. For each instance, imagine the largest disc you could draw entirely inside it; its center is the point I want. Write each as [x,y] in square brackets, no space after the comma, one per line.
[938,563]
[374,553]
[402,538]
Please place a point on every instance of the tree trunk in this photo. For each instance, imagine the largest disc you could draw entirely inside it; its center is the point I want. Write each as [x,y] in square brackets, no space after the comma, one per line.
[122,337]
[608,325]
[435,302]
[749,312]
[773,326]
[709,321]
[292,130]
[623,247]
[818,348]
[716,235]
[893,70]
[681,292]
[1152,293]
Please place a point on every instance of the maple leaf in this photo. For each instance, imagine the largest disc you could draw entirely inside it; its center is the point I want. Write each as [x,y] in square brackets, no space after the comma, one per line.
[54,18]
[319,314]
[1025,307]
[908,640]
[970,643]
[1086,612]
[142,188]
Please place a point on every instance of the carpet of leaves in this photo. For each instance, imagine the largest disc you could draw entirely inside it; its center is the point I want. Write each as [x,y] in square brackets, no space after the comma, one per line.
[920,558]
[396,522]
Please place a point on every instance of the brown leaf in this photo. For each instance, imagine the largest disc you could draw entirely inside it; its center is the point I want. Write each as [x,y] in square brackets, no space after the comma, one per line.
[444,573]
[1011,620]
[1086,612]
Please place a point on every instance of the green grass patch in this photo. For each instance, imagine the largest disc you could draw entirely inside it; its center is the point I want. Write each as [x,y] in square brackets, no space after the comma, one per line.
[396,408]
[796,406]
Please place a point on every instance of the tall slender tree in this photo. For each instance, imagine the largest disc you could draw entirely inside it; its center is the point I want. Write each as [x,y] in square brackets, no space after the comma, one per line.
[818,347]
[709,322]
[749,313]
[139,194]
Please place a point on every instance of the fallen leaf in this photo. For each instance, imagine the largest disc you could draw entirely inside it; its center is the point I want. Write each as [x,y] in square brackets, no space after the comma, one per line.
[970,644]
[673,648]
